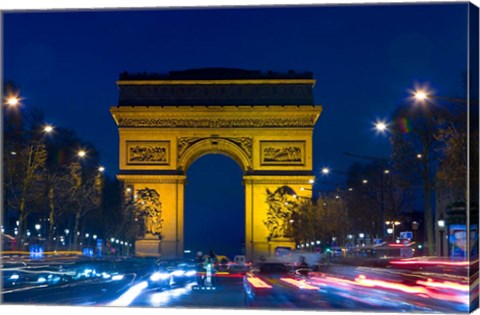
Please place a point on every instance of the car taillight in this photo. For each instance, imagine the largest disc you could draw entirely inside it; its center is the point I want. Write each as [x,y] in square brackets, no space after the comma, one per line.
[258,283]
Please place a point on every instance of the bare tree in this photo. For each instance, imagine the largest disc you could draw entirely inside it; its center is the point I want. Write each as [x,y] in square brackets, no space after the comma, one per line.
[86,189]
[25,155]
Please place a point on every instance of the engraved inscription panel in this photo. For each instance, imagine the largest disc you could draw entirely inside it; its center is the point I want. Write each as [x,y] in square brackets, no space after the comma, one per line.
[148,152]
[282,152]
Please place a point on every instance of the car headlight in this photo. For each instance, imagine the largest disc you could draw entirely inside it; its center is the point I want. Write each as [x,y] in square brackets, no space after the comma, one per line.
[14,277]
[117,277]
[178,273]
[190,273]
[159,276]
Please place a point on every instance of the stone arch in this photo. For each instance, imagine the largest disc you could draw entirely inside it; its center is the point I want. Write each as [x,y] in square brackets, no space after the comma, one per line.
[213,146]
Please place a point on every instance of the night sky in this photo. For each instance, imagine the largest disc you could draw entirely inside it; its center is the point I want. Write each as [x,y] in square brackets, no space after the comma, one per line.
[364,60]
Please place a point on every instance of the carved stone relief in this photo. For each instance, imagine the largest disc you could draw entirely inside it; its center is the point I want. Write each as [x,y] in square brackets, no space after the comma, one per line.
[148,152]
[281,206]
[282,152]
[148,212]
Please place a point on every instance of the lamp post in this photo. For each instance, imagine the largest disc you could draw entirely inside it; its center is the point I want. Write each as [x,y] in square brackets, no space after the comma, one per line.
[393,224]
[361,236]
[428,99]
[37,228]
[423,95]
[441,227]
[382,127]
[81,154]
[67,238]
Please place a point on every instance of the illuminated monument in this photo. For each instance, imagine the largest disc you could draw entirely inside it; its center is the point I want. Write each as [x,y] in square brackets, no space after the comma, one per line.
[263,121]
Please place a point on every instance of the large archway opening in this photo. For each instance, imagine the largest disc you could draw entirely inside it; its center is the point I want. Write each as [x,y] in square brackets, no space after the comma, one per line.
[214,212]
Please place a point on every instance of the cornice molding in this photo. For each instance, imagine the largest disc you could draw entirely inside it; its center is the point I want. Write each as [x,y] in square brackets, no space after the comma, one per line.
[217,116]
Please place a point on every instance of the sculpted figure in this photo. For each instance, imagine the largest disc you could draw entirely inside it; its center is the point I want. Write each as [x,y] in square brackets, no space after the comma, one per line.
[281,206]
[149,209]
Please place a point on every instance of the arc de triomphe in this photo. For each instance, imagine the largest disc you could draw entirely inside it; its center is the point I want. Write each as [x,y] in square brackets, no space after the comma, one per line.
[263,121]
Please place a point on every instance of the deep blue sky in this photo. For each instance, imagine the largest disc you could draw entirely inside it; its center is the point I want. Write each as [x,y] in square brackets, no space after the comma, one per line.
[364,59]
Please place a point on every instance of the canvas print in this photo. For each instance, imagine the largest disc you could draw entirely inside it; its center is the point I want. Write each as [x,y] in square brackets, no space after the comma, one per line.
[302,157]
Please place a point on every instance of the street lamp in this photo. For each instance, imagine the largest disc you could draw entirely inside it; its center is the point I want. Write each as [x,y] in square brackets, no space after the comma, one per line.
[48,128]
[380,126]
[12,100]
[393,224]
[38,227]
[420,95]
[361,236]
[441,227]
[423,95]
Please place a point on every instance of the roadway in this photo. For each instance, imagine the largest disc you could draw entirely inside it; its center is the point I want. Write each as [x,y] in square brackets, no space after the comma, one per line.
[337,287]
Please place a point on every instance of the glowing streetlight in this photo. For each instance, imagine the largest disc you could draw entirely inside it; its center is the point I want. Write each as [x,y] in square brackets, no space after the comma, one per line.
[37,227]
[101,169]
[311,181]
[381,126]
[425,96]
[48,128]
[82,153]
[12,101]
[392,224]
[365,181]
[325,170]
[420,95]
